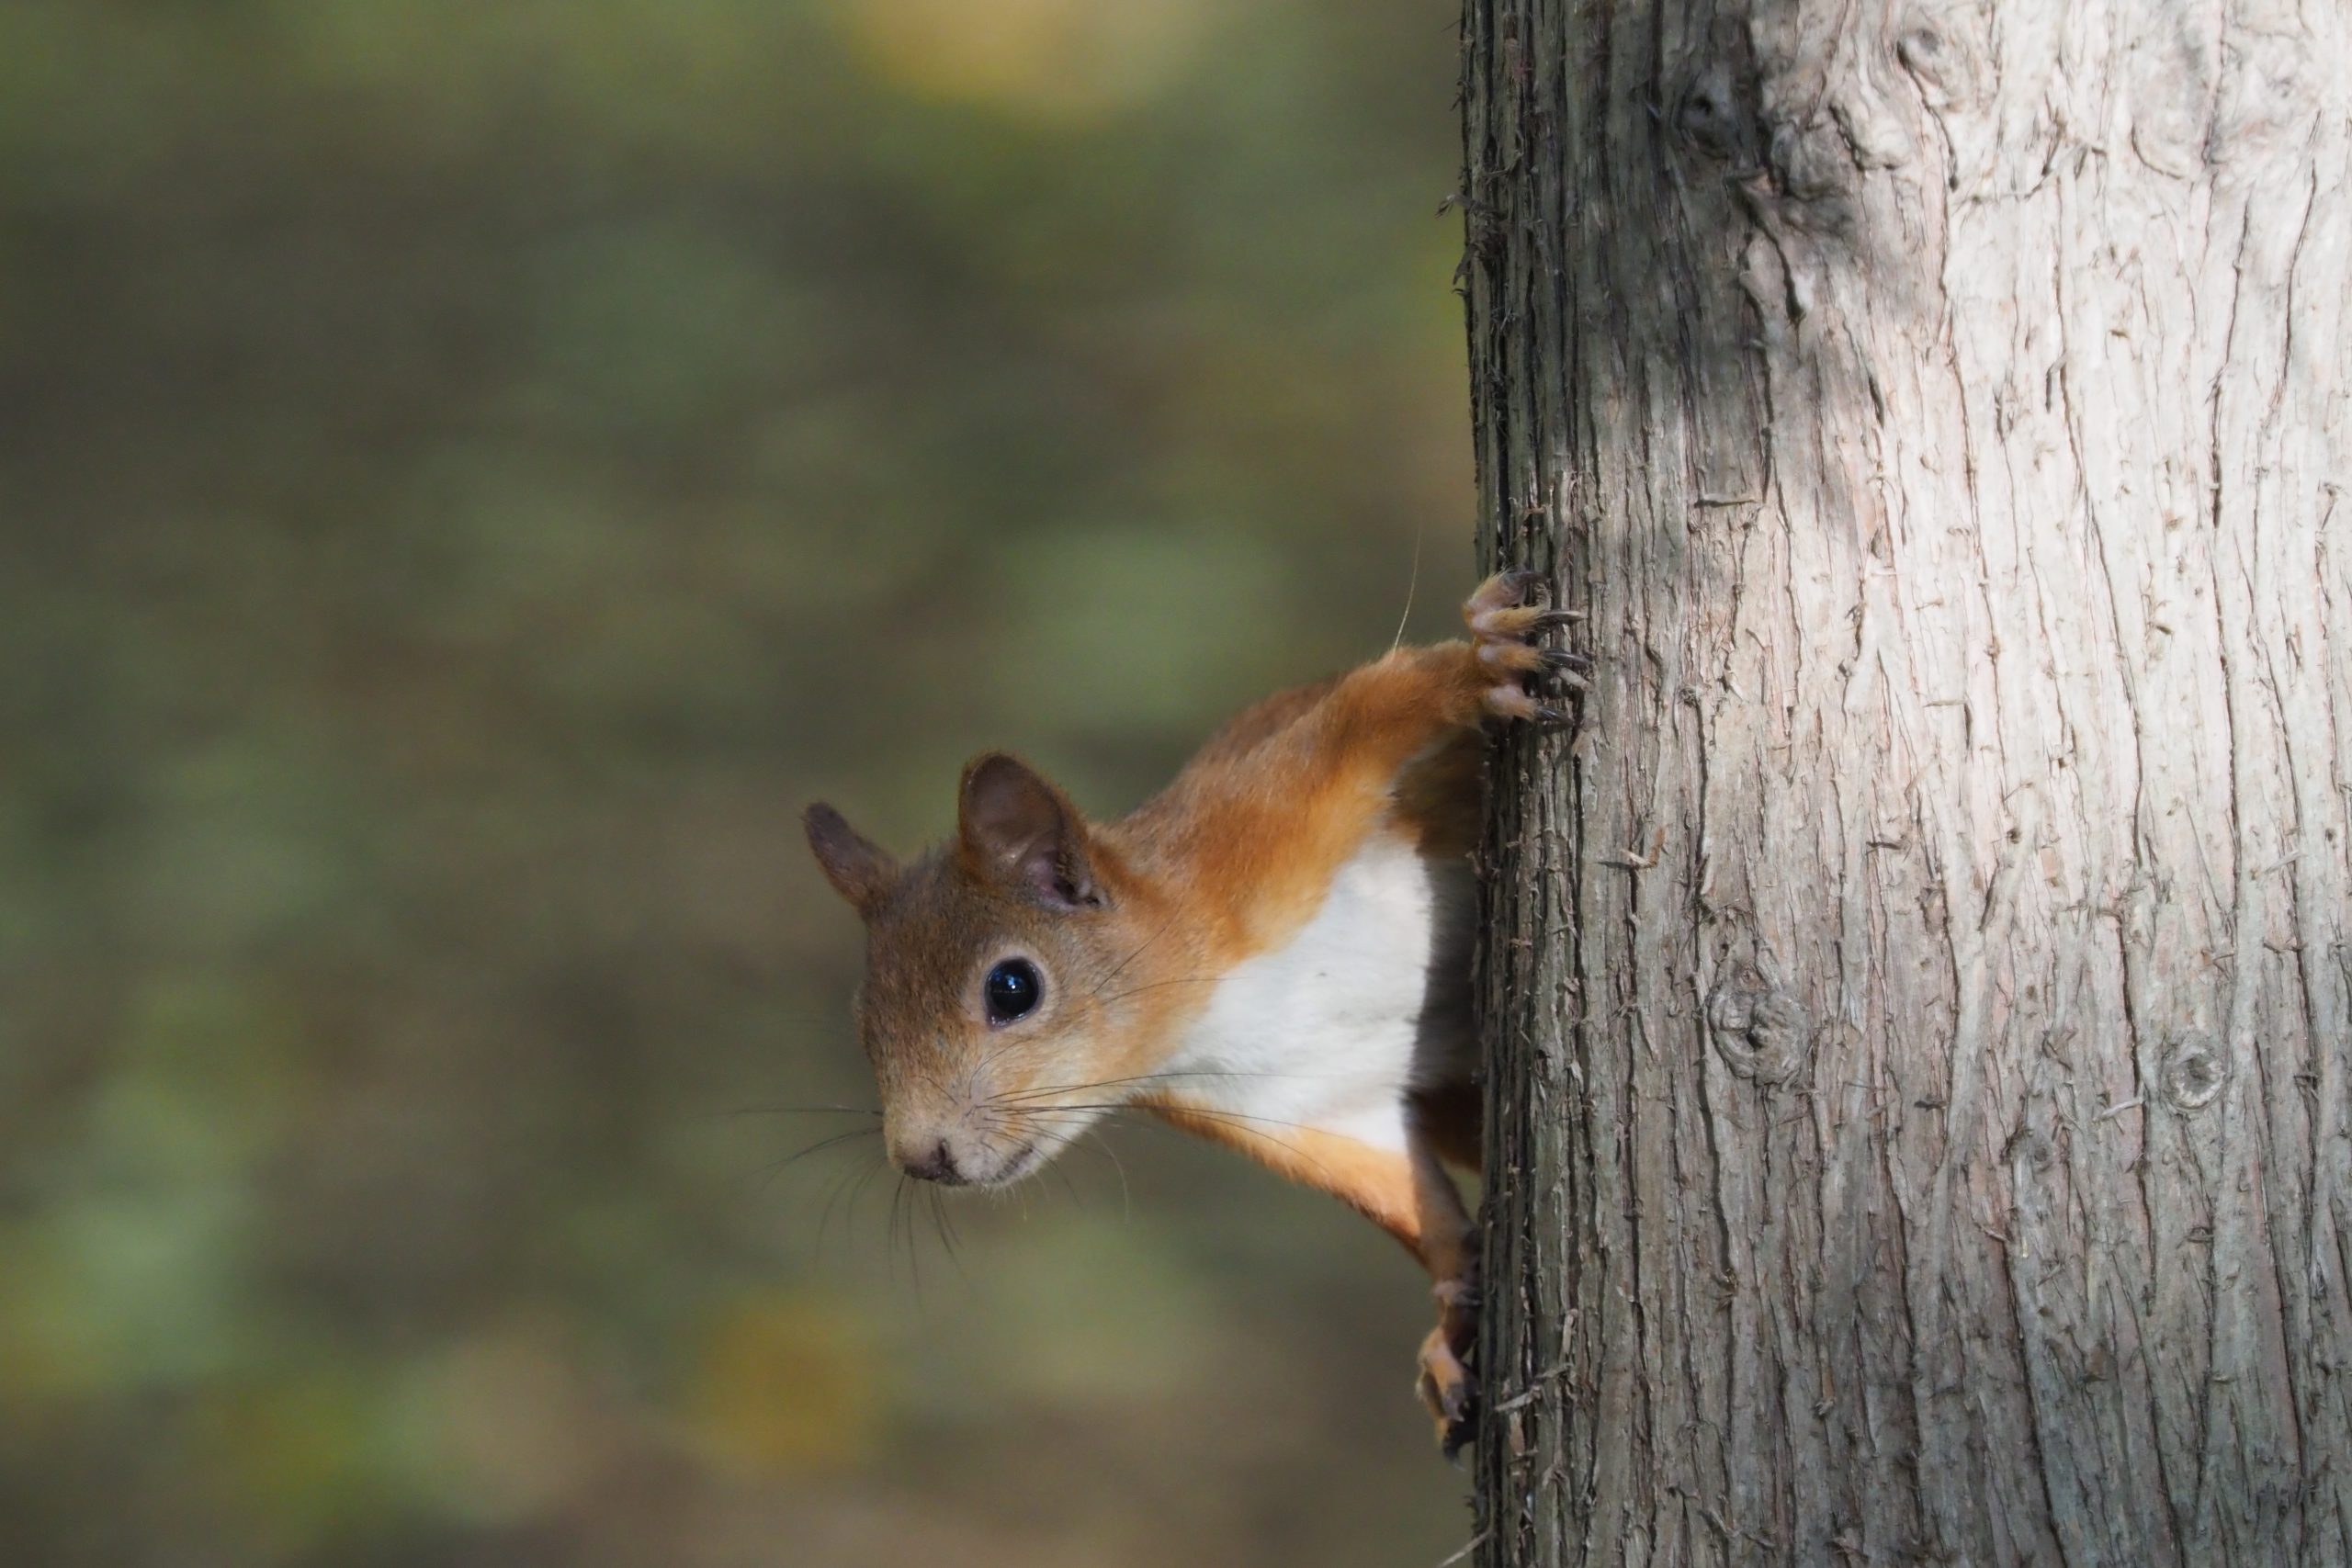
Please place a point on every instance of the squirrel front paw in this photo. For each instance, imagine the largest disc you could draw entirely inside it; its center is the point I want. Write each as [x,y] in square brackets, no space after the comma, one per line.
[1506,615]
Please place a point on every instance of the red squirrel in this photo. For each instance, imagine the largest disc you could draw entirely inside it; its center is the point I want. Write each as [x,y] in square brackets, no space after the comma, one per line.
[1273,953]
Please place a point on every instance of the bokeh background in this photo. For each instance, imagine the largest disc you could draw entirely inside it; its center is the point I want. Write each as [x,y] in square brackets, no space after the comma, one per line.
[469,473]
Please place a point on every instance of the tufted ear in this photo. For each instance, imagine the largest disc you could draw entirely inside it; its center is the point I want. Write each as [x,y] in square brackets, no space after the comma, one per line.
[1015,827]
[859,870]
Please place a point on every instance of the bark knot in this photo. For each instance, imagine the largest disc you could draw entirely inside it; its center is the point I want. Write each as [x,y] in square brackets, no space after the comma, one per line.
[1939,47]
[2191,1073]
[1759,1030]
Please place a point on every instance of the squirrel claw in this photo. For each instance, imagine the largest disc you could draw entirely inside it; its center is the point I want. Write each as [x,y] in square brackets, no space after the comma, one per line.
[1512,702]
[1566,669]
[1519,581]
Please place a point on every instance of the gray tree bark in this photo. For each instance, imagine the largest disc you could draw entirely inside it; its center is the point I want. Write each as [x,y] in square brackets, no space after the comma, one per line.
[1917,991]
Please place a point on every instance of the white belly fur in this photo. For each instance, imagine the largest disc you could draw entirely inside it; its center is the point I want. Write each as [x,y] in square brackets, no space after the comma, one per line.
[1366,1001]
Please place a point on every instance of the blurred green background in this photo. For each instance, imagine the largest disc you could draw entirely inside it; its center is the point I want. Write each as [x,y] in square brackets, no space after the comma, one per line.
[469,473]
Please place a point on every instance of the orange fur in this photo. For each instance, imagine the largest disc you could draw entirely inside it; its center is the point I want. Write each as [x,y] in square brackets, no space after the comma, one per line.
[1263,815]
[1376,1183]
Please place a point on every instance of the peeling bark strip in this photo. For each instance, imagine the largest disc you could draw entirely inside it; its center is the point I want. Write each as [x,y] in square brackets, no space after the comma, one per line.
[1918,996]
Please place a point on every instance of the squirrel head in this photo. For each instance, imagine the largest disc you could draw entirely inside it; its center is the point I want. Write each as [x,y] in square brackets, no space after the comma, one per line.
[1009,981]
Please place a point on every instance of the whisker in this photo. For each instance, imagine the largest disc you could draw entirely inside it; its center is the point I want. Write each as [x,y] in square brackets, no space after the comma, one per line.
[1097,994]
[771,1173]
[849,1179]
[1093,1143]
[902,1224]
[943,1226]
[1040,1090]
[1157,985]
[857,1195]
[1209,1112]
[1412,585]
[1231,1118]
[988,1058]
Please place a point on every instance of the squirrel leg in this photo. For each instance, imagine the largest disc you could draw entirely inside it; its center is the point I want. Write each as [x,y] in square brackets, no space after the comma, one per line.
[1449,1248]
[1409,1196]
[1379,715]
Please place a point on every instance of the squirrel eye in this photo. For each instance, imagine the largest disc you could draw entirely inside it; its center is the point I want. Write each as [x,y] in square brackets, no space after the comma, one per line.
[1012,990]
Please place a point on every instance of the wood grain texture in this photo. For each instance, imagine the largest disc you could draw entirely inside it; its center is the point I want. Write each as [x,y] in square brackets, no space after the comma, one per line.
[1917,997]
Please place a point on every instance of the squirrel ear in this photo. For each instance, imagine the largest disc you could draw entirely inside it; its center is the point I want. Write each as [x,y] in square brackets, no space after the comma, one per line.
[1014,825]
[859,870]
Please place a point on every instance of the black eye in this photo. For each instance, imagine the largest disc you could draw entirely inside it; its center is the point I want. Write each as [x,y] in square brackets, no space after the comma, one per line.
[1013,988]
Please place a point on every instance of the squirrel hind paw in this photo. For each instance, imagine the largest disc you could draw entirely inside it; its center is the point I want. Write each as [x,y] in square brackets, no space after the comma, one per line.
[1448,1391]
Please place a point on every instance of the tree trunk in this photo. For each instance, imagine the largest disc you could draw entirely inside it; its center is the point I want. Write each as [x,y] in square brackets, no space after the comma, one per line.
[1917,992]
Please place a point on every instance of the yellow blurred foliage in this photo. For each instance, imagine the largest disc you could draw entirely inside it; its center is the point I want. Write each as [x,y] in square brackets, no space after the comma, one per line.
[786,1382]
[507,1424]
[1055,60]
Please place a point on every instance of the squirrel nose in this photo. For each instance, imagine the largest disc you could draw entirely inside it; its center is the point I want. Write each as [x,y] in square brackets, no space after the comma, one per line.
[936,1163]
